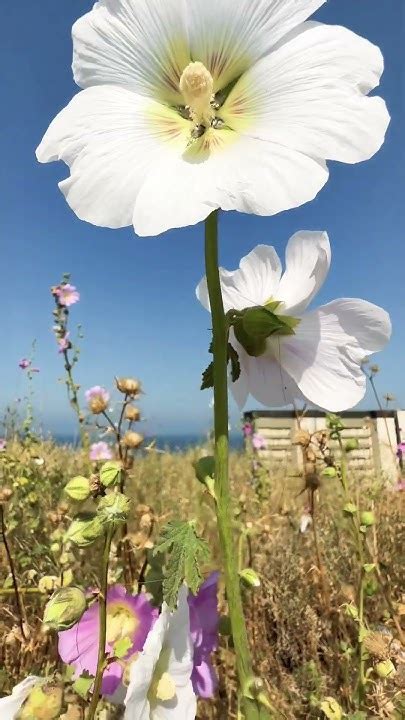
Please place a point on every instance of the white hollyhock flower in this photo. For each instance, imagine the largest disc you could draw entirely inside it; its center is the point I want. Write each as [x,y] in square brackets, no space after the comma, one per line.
[160,685]
[322,359]
[192,105]
[10,706]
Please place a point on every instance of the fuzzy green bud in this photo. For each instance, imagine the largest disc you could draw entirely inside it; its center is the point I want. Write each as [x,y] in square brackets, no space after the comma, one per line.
[329,472]
[84,530]
[352,444]
[204,470]
[78,488]
[367,518]
[113,509]
[385,669]
[110,473]
[250,578]
[65,608]
[43,703]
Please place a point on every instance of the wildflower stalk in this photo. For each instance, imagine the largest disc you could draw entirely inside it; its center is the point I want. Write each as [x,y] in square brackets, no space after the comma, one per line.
[102,625]
[251,707]
[22,616]
[359,539]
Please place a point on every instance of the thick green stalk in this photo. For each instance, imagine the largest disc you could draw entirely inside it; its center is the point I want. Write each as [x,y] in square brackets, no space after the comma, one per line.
[102,626]
[252,709]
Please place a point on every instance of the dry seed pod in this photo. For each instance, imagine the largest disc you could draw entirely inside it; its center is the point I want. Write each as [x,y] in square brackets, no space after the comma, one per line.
[132,439]
[132,413]
[128,386]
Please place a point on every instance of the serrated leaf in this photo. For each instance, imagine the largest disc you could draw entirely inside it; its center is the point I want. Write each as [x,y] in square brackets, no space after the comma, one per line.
[83,685]
[233,358]
[208,377]
[186,551]
[122,647]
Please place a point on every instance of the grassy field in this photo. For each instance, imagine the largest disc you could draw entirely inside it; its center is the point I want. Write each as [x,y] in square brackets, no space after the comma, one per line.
[302,631]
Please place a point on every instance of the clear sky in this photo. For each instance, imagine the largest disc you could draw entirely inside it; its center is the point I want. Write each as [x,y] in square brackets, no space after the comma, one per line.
[138,306]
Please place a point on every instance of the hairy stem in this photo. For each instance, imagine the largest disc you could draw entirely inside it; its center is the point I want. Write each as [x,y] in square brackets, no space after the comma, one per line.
[22,616]
[251,707]
[102,626]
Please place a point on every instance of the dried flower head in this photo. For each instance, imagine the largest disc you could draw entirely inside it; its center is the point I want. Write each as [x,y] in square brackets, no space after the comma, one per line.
[377,645]
[133,439]
[128,386]
[132,413]
[302,437]
[97,399]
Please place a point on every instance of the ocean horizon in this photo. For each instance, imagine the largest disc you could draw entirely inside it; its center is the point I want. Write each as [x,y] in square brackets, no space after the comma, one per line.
[175,442]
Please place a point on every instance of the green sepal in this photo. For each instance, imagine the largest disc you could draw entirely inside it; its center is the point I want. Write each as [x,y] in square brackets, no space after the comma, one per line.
[110,473]
[84,530]
[78,488]
[83,685]
[65,608]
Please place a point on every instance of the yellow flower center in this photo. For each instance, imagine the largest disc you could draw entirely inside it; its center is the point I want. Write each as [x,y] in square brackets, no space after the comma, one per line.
[121,622]
[197,88]
[162,687]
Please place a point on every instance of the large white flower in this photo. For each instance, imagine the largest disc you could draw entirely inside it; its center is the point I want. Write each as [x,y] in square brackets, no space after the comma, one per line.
[322,360]
[160,685]
[10,706]
[193,105]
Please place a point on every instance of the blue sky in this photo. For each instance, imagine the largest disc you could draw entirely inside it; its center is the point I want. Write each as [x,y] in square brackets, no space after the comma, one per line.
[138,308]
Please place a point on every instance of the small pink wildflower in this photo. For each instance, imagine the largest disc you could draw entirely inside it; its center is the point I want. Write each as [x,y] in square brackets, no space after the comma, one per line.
[67,294]
[258,441]
[97,392]
[3,444]
[247,429]
[24,363]
[100,451]
[64,343]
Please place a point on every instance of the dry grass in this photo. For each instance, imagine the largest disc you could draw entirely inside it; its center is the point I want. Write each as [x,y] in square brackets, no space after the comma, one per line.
[303,641]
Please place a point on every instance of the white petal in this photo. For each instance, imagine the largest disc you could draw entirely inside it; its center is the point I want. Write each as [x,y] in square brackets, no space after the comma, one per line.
[324,356]
[109,137]
[309,94]
[9,706]
[138,44]
[136,702]
[248,175]
[185,707]
[179,641]
[269,382]
[307,264]
[229,36]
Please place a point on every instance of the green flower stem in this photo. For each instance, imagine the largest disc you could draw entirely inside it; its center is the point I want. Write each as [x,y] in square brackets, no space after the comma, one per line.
[252,709]
[359,539]
[102,625]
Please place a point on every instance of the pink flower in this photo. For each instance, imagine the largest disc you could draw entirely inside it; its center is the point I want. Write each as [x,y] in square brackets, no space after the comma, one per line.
[100,451]
[24,363]
[258,441]
[67,294]
[64,343]
[204,621]
[400,486]
[129,617]
[247,429]
[97,393]
[401,449]
[3,444]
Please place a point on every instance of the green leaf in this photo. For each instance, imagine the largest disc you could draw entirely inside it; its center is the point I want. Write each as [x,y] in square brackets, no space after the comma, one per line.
[110,473]
[78,488]
[208,377]
[329,472]
[331,708]
[122,647]
[233,358]
[186,553]
[369,567]
[83,685]
[350,509]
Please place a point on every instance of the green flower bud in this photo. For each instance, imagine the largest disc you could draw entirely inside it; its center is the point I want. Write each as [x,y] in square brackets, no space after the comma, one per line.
[250,578]
[44,703]
[113,508]
[367,518]
[84,530]
[110,473]
[352,444]
[65,608]
[329,472]
[350,509]
[385,669]
[78,488]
